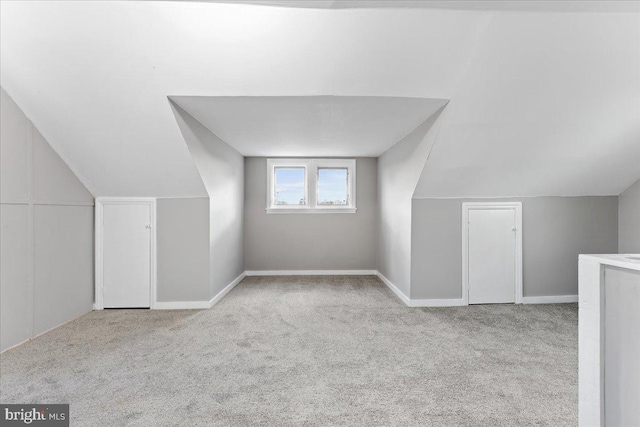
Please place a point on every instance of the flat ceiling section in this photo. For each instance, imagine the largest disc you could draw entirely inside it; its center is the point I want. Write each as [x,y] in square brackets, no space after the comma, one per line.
[311,126]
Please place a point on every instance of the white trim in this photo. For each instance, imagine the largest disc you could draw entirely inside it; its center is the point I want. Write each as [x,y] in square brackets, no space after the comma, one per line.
[453,302]
[311,272]
[350,166]
[100,202]
[181,197]
[310,210]
[466,206]
[181,305]
[591,342]
[457,302]
[125,200]
[199,305]
[551,299]
[216,299]
[420,302]
[272,164]
[508,197]
[405,299]
[629,261]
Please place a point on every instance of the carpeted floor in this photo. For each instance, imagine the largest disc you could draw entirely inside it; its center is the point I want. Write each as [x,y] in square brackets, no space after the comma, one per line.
[290,351]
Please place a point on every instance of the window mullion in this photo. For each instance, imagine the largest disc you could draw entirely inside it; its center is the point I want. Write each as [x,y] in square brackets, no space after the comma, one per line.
[313,184]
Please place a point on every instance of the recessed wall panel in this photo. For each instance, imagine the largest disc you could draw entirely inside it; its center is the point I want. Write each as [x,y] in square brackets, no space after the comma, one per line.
[14,277]
[63,261]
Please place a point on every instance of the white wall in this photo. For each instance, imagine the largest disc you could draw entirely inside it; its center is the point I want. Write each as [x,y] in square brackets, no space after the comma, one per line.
[555,231]
[46,237]
[399,169]
[222,171]
[629,220]
[310,241]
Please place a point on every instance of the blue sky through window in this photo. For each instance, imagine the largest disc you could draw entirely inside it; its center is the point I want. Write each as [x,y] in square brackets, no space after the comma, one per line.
[289,186]
[332,186]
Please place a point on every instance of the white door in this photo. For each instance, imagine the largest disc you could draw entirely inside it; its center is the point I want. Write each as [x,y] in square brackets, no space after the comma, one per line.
[492,255]
[126,249]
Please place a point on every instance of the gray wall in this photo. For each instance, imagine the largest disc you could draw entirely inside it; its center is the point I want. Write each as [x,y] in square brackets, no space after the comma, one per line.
[331,241]
[399,170]
[183,249]
[222,170]
[46,237]
[555,231]
[629,220]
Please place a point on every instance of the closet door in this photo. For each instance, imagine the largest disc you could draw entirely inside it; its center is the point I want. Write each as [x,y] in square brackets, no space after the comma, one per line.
[126,255]
[492,255]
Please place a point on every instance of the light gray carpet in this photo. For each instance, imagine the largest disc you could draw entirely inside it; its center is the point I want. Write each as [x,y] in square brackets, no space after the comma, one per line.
[289,351]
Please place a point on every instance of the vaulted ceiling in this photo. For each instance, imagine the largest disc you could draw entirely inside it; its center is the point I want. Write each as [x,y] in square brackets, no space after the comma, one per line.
[517,5]
[543,101]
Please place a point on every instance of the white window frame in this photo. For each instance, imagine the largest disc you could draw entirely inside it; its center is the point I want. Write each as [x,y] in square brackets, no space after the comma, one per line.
[311,167]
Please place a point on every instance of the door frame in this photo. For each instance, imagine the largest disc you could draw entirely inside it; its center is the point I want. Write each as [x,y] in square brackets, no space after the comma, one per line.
[99,261]
[466,207]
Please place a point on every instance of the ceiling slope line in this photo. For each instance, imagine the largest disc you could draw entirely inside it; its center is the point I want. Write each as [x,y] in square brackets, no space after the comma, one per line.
[201,153]
[440,116]
[435,112]
[52,141]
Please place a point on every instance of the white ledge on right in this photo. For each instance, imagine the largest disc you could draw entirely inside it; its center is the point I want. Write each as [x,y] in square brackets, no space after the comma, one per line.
[609,340]
[630,261]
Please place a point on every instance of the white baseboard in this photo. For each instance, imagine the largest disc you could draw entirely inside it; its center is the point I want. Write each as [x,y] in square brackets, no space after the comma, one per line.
[180,305]
[227,289]
[202,305]
[437,302]
[420,302]
[199,305]
[405,299]
[311,272]
[553,299]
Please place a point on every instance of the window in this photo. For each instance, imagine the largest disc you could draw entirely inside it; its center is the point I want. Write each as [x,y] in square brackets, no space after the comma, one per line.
[290,186]
[311,186]
[333,186]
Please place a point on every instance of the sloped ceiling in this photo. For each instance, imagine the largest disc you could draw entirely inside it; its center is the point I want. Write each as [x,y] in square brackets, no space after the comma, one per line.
[542,102]
[522,5]
[316,126]
[560,117]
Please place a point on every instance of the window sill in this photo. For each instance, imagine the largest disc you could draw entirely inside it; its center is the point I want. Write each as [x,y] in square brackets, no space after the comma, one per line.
[311,210]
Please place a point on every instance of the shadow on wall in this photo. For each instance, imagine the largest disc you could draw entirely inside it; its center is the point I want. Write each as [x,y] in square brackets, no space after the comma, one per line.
[222,170]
